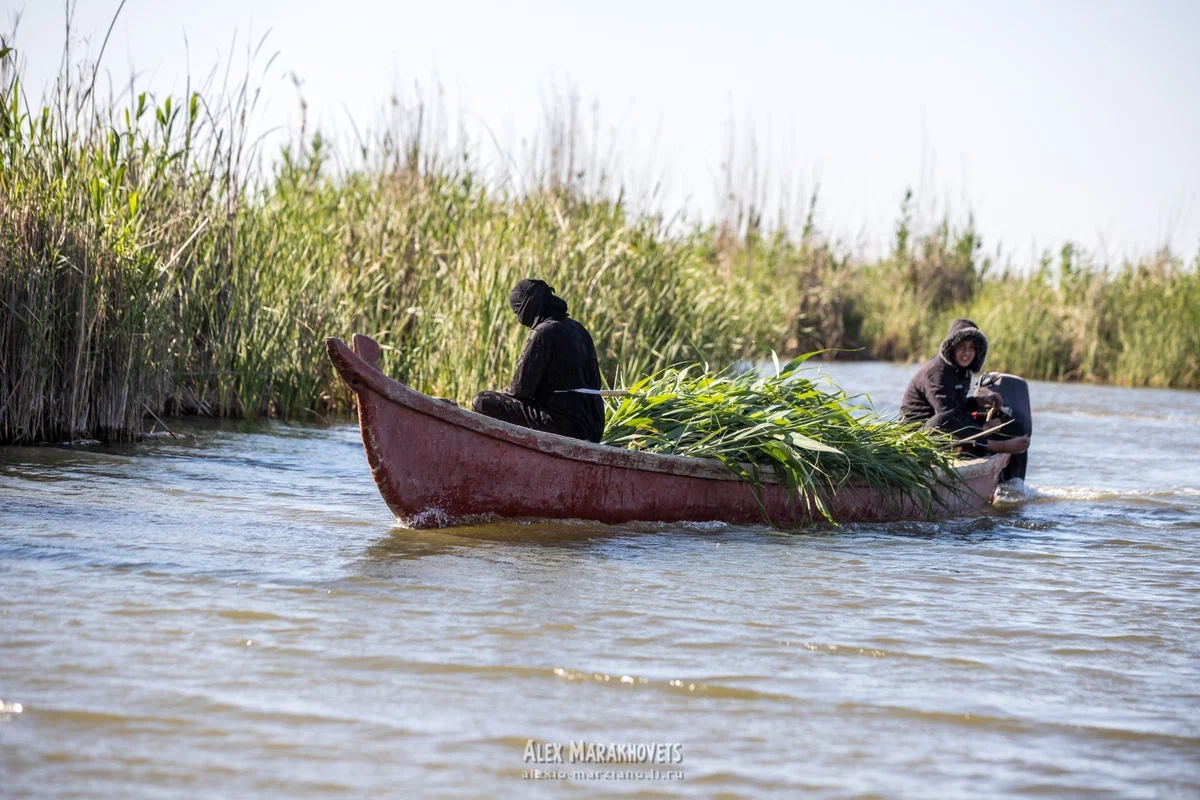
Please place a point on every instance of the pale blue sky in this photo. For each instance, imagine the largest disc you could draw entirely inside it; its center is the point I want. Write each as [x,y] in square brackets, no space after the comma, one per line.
[1051,121]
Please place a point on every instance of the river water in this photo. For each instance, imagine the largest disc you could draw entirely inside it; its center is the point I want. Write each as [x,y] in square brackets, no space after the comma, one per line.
[237,616]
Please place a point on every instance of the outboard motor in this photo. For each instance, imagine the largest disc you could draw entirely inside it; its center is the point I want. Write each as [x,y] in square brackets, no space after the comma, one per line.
[1015,391]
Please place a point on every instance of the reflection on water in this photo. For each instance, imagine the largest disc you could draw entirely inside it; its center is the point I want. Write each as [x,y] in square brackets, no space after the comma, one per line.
[237,615]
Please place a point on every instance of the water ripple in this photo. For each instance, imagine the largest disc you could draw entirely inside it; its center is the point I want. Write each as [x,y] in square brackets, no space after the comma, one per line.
[236,615]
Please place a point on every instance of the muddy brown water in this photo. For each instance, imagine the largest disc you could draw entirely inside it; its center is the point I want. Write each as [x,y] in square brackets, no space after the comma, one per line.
[237,616]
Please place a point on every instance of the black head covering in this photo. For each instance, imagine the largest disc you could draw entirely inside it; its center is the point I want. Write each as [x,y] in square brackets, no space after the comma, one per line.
[962,330]
[534,302]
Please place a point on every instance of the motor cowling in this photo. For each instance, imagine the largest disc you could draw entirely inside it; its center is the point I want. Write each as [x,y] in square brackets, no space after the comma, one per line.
[1015,392]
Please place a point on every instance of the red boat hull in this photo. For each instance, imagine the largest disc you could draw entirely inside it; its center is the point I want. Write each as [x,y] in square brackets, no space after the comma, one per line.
[438,465]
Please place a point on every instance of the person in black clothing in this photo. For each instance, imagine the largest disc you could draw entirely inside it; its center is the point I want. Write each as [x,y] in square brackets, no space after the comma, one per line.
[938,394]
[559,357]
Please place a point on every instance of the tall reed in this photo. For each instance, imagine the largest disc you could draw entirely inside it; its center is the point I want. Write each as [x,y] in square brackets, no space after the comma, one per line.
[149,262]
[1069,317]
[148,265]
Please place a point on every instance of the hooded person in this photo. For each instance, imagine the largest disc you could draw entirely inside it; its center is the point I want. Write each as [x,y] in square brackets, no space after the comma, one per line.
[559,357]
[939,394]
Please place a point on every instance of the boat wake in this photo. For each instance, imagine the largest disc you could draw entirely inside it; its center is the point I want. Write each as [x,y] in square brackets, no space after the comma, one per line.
[1093,493]
[439,518]
[1015,492]
[1084,493]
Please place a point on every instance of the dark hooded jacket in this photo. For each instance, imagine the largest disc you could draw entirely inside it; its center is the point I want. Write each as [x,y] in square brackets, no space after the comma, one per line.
[940,386]
[558,355]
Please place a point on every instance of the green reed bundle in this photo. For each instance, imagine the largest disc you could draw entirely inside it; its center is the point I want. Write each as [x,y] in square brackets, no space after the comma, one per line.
[793,424]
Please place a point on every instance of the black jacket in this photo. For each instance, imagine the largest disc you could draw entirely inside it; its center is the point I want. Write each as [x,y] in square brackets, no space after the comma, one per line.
[559,355]
[939,389]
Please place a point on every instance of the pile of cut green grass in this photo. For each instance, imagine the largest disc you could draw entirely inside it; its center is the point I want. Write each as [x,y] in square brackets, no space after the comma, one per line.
[792,424]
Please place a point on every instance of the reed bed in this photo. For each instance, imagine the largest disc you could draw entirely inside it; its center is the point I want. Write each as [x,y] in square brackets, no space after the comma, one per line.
[149,264]
[1068,317]
[790,423]
[154,261]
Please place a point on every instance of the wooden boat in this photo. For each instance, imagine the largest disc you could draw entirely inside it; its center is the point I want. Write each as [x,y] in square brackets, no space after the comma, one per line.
[438,465]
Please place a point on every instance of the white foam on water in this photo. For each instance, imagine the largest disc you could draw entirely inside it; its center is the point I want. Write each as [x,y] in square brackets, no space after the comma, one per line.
[1014,492]
[1092,493]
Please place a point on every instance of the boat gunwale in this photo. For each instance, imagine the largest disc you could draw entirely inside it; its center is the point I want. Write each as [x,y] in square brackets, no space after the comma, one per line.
[352,366]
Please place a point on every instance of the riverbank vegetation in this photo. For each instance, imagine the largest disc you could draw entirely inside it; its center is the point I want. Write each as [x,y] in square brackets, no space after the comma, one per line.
[1067,317]
[153,260]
